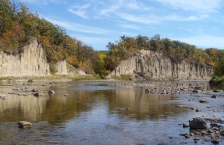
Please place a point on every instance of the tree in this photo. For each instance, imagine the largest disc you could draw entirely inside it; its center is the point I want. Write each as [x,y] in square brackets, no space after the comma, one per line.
[6,16]
[219,68]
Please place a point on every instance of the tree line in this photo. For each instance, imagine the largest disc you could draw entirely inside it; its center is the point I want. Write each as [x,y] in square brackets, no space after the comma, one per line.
[18,25]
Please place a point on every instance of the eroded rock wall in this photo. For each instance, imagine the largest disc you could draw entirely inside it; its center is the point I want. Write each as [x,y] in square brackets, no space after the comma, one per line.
[63,68]
[32,62]
[154,66]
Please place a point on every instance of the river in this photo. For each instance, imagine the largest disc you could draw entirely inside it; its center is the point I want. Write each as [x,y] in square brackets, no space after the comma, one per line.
[98,112]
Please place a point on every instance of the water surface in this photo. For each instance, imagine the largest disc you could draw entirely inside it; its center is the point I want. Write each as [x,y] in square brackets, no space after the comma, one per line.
[93,113]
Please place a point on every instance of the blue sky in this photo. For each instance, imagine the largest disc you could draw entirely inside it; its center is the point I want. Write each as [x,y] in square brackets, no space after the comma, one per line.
[97,22]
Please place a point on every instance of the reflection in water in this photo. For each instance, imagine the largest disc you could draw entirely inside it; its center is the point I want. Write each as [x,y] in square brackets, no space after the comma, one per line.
[126,102]
[141,106]
[55,109]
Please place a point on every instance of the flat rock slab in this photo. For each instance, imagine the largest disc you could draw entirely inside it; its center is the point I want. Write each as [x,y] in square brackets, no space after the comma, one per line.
[24,124]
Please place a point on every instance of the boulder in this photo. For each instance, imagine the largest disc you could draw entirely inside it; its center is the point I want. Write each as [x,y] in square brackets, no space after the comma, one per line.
[24,124]
[163,92]
[146,90]
[66,95]
[214,96]
[2,96]
[37,94]
[222,133]
[198,123]
[34,90]
[203,101]
[51,92]
[185,125]
[195,91]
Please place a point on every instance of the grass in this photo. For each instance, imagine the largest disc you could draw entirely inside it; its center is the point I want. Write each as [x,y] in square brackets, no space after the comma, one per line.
[124,78]
[87,78]
[6,78]
[217,81]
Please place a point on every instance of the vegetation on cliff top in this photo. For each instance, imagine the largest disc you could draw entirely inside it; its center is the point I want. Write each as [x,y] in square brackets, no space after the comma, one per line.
[218,76]
[18,25]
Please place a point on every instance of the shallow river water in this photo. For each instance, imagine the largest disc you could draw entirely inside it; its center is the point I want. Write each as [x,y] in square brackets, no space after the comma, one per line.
[95,113]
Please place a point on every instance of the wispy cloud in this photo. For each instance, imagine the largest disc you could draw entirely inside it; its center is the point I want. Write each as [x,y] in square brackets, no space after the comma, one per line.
[78,27]
[80,11]
[182,18]
[129,26]
[201,6]
[155,19]
[150,19]
[117,6]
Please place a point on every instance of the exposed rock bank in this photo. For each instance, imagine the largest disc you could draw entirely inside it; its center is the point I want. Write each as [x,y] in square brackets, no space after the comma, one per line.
[151,65]
[32,62]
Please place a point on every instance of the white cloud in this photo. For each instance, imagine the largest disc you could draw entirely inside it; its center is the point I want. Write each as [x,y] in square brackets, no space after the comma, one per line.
[201,6]
[129,26]
[150,19]
[188,18]
[80,11]
[155,19]
[117,6]
[78,27]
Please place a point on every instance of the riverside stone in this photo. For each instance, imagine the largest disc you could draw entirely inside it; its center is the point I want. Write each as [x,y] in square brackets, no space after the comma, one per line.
[37,94]
[51,92]
[2,96]
[214,96]
[24,124]
[198,123]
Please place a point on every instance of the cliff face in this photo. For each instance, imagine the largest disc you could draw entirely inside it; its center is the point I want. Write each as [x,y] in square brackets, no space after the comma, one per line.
[151,65]
[31,62]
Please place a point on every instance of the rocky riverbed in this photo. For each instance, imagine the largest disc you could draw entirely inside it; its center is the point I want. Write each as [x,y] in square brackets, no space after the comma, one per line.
[196,97]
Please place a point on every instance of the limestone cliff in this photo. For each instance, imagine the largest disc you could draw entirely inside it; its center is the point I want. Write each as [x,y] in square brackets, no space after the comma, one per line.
[151,65]
[32,62]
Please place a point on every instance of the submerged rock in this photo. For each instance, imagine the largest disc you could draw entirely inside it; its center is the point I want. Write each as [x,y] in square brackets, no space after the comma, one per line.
[198,123]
